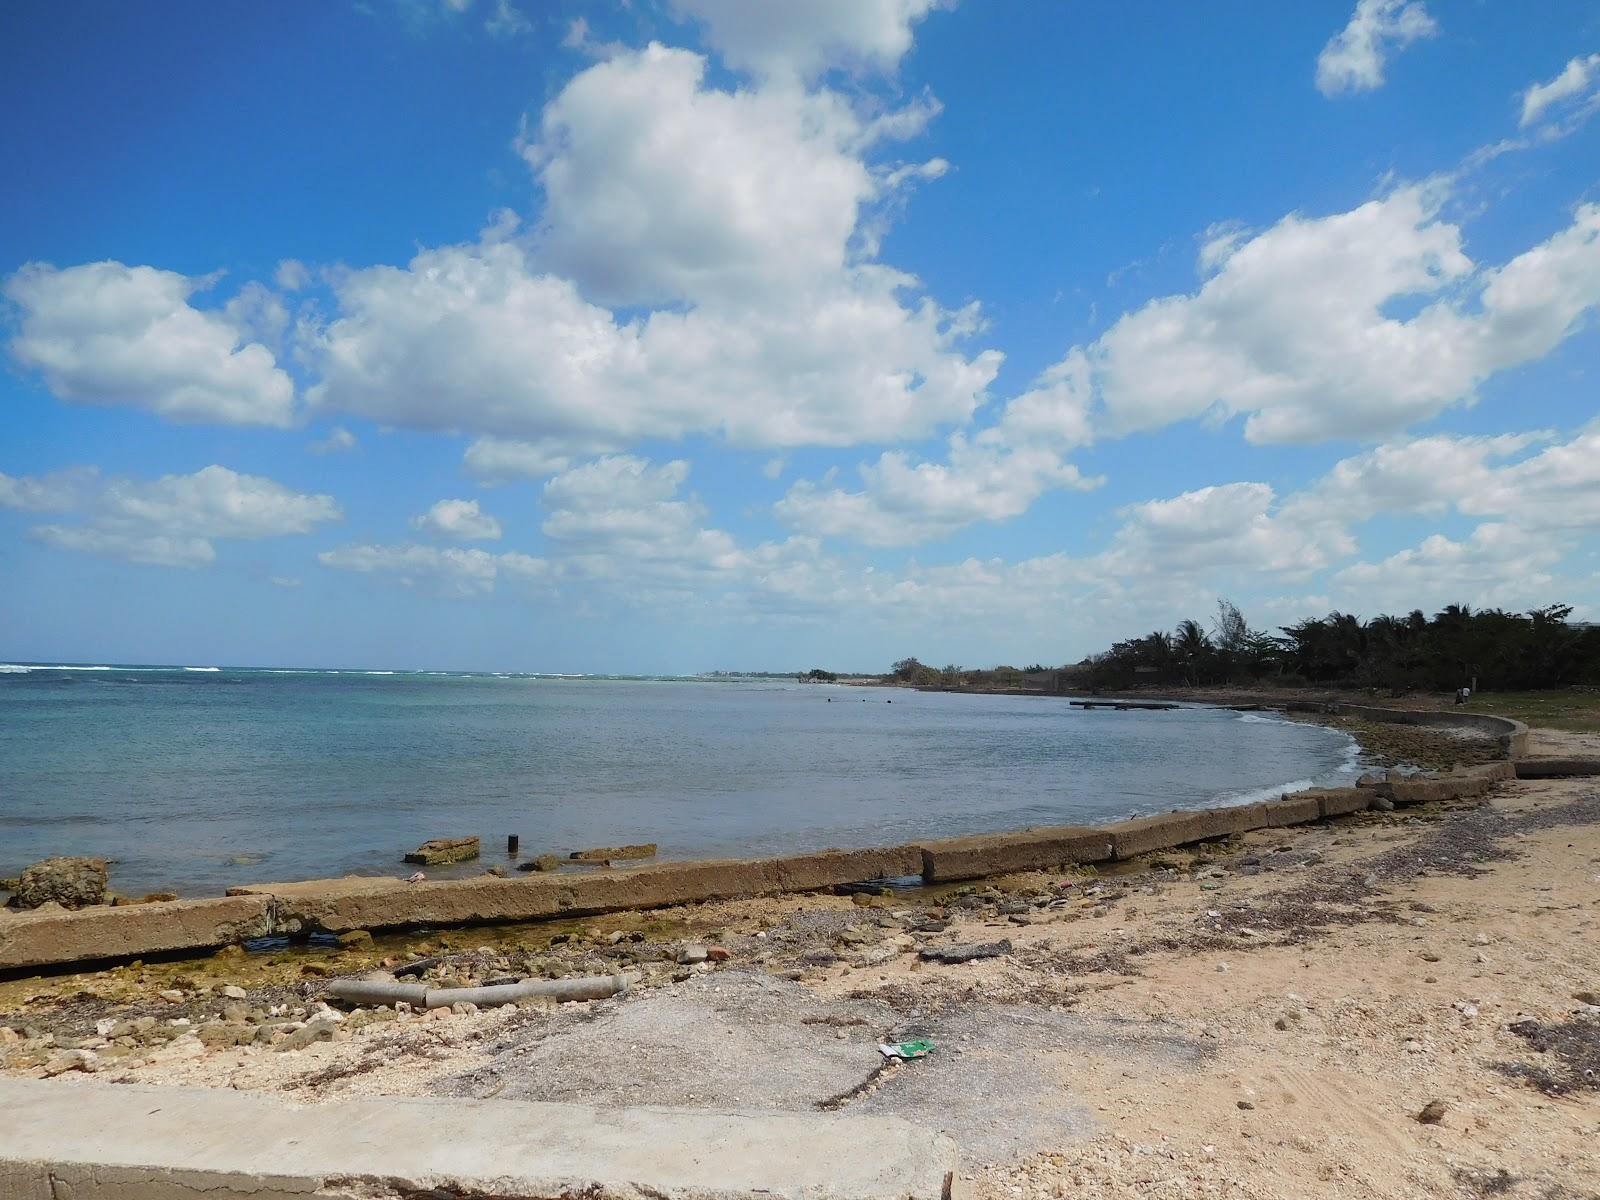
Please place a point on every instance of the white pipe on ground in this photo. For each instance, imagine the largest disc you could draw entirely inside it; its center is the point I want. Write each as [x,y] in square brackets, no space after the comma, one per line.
[592,987]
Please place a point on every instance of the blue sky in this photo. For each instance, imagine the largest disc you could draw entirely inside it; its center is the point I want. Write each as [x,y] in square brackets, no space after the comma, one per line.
[691,334]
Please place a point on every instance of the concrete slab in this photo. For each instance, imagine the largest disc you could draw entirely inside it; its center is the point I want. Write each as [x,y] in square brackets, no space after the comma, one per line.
[1002,853]
[1424,790]
[1340,802]
[34,939]
[95,1142]
[1296,809]
[1556,768]
[1143,835]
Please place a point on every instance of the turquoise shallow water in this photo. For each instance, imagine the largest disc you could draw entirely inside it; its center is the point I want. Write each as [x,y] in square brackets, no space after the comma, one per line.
[196,779]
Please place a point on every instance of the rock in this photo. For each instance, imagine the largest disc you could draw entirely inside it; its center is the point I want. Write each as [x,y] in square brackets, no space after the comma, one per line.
[602,854]
[71,1060]
[156,897]
[1590,998]
[438,851]
[233,991]
[172,994]
[356,937]
[69,882]
[1371,779]
[1243,1105]
[718,954]
[1432,1112]
[497,872]
[309,1033]
[544,862]
[693,953]
[1382,804]
[967,952]
[227,1033]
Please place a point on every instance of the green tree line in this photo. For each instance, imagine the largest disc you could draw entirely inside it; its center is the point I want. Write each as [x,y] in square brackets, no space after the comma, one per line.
[1455,647]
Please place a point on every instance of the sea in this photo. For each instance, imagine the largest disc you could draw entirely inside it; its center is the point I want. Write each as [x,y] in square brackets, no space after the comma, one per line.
[195,778]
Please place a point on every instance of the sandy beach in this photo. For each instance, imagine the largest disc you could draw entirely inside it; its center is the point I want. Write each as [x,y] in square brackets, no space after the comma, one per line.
[1395,1004]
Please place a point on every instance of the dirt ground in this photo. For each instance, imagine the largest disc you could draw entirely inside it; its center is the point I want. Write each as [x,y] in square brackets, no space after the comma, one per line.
[1270,1016]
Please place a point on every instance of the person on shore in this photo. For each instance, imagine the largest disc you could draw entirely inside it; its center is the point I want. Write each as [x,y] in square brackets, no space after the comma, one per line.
[1463,694]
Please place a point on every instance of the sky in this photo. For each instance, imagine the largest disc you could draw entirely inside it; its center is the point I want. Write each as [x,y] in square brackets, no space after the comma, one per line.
[681,335]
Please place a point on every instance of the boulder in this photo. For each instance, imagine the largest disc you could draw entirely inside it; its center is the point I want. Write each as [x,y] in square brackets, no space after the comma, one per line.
[438,851]
[69,882]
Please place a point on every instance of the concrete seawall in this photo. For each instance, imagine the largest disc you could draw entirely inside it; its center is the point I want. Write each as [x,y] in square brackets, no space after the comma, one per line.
[1511,737]
[33,940]
[94,1142]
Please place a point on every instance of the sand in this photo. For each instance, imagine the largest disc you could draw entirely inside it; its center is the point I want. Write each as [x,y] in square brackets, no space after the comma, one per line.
[1266,1019]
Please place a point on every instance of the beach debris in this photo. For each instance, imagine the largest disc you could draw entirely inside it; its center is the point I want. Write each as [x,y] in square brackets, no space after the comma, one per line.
[966,951]
[1432,1112]
[542,862]
[416,877]
[604,854]
[439,851]
[915,1048]
[69,882]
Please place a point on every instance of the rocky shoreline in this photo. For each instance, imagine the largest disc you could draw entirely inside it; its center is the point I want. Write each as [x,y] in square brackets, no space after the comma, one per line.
[1115,1030]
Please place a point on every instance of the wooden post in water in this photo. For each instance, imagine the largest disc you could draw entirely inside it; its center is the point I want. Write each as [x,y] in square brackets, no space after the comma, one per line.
[511,844]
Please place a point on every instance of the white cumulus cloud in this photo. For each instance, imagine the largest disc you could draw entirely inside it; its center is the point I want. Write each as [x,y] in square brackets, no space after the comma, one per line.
[110,334]
[1294,328]
[1354,58]
[459,520]
[173,520]
[1574,91]
[802,37]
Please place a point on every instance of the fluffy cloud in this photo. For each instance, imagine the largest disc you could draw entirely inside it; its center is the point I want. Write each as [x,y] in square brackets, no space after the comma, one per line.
[452,570]
[59,491]
[1497,564]
[658,188]
[1227,527]
[992,476]
[497,460]
[459,520]
[1313,362]
[740,208]
[172,521]
[474,337]
[802,37]
[105,333]
[1556,489]
[621,517]
[1572,93]
[1354,58]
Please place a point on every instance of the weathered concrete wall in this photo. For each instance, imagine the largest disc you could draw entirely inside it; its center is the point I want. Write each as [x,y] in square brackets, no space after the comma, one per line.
[97,1142]
[1510,736]
[340,905]
[1338,802]
[1003,853]
[36,939]
[1556,768]
[1295,809]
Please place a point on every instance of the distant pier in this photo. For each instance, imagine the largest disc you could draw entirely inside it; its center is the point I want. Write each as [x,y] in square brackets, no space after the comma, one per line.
[1123,705]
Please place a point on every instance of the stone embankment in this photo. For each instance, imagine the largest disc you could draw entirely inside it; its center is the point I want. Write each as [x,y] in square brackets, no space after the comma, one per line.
[340,906]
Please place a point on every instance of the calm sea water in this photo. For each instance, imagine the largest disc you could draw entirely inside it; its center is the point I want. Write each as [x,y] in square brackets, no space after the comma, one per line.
[194,779]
